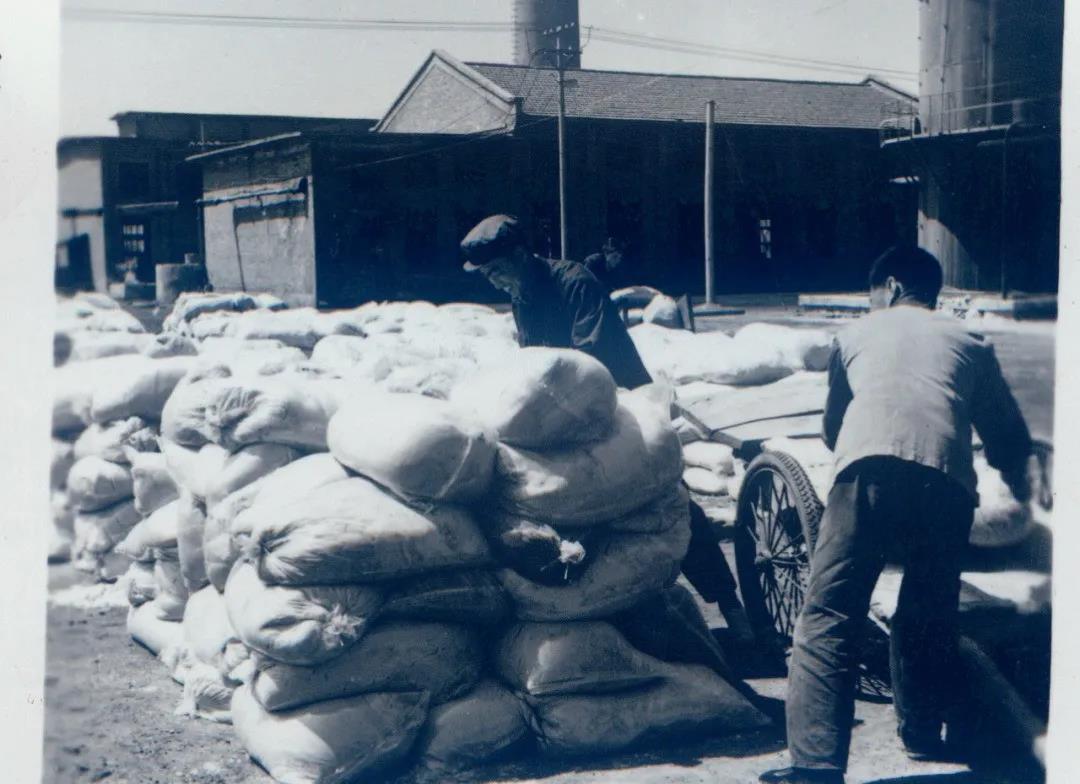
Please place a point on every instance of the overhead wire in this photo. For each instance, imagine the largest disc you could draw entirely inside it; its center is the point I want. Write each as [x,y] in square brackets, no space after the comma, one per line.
[608,35]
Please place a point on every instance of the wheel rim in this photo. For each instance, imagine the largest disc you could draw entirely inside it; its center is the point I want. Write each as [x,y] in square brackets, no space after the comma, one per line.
[781,556]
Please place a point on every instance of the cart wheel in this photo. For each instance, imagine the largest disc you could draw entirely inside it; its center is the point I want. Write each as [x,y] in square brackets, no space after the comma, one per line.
[777,518]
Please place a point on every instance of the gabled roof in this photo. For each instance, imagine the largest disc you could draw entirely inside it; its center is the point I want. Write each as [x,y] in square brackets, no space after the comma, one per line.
[623,95]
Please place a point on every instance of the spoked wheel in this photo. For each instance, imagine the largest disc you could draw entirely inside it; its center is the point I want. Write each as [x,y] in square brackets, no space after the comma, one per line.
[777,518]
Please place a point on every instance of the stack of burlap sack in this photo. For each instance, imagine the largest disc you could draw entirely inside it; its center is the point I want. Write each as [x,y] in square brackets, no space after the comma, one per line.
[91,326]
[106,474]
[361,579]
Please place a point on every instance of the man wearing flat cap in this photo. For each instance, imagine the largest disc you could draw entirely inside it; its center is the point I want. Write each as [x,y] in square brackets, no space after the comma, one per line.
[562,305]
[555,303]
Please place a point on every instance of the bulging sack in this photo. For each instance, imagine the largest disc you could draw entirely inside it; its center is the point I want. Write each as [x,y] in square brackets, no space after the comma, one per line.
[142,391]
[63,458]
[351,531]
[330,742]
[151,632]
[207,629]
[152,483]
[671,508]
[714,457]
[116,441]
[639,460]
[623,570]
[1000,520]
[303,626]
[662,311]
[141,585]
[190,520]
[689,702]
[172,592]
[542,398]
[485,724]
[94,483]
[153,533]
[416,446]
[472,596]
[802,349]
[545,659]
[98,532]
[535,550]
[440,659]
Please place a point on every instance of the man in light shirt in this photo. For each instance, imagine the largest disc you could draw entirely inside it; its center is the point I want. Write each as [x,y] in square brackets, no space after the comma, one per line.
[906,385]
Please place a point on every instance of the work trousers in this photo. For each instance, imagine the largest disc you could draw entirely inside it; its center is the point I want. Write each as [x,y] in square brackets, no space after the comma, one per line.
[704,565]
[880,509]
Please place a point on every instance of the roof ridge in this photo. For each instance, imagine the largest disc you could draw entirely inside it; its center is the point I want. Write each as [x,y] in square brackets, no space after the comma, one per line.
[861,83]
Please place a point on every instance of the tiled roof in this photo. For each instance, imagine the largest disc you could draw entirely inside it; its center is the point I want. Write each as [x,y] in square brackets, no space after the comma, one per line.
[641,96]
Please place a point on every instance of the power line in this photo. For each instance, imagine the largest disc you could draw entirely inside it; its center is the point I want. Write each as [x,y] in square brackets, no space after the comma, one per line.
[609,35]
[690,47]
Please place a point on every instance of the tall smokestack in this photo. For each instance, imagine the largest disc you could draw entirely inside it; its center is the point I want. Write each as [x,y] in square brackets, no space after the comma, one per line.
[532,46]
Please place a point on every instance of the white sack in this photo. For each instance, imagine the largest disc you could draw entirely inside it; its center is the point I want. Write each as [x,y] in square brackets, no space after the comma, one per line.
[636,463]
[207,629]
[351,531]
[682,357]
[802,349]
[691,701]
[169,345]
[705,482]
[152,484]
[298,625]
[63,458]
[623,570]
[141,585]
[75,384]
[94,483]
[115,440]
[142,391]
[479,727]
[416,446]
[151,632]
[717,458]
[441,659]
[1000,520]
[663,311]
[190,519]
[172,591]
[330,742]
[155,532]
[543,398]
[547,659]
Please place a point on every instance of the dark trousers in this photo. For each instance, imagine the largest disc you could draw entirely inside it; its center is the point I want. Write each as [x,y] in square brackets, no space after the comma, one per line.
[704,565]
[880,509]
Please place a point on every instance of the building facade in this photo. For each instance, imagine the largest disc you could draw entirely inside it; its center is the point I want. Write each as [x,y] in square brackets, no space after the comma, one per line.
[802,199]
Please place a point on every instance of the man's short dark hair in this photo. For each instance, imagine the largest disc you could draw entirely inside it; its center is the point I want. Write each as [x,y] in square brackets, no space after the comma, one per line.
[916,269]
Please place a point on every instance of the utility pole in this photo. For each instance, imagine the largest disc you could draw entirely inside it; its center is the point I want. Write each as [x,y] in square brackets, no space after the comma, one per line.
[710,111]
[563,250]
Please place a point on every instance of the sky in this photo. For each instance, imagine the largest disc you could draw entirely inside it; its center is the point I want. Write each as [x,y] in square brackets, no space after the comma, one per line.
[114,58]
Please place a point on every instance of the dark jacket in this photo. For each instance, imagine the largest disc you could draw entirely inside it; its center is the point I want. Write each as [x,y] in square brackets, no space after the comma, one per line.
[564,306]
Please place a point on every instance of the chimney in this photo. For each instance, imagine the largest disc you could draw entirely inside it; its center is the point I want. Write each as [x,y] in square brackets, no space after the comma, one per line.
[532,47]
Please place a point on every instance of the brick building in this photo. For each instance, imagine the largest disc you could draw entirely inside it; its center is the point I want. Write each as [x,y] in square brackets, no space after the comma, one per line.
[802,199]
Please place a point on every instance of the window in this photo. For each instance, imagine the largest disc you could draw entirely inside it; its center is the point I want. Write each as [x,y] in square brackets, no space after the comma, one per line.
[765,237]
[134,237]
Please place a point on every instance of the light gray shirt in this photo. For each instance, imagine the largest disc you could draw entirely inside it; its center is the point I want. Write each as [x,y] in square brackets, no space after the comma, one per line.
[910,382]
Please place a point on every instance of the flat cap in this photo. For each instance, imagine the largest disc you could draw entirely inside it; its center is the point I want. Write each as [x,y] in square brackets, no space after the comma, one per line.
[492,237]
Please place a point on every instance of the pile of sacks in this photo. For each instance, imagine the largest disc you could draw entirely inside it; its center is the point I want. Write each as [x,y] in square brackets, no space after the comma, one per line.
[106,473]
[361,579]
[757,354]
[91,326]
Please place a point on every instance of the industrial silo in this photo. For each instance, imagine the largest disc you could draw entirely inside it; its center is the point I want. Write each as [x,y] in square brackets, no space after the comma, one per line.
[533,45]
[987,146]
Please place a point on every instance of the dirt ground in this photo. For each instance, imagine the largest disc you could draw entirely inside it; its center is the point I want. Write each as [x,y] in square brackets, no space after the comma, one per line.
[109,718]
